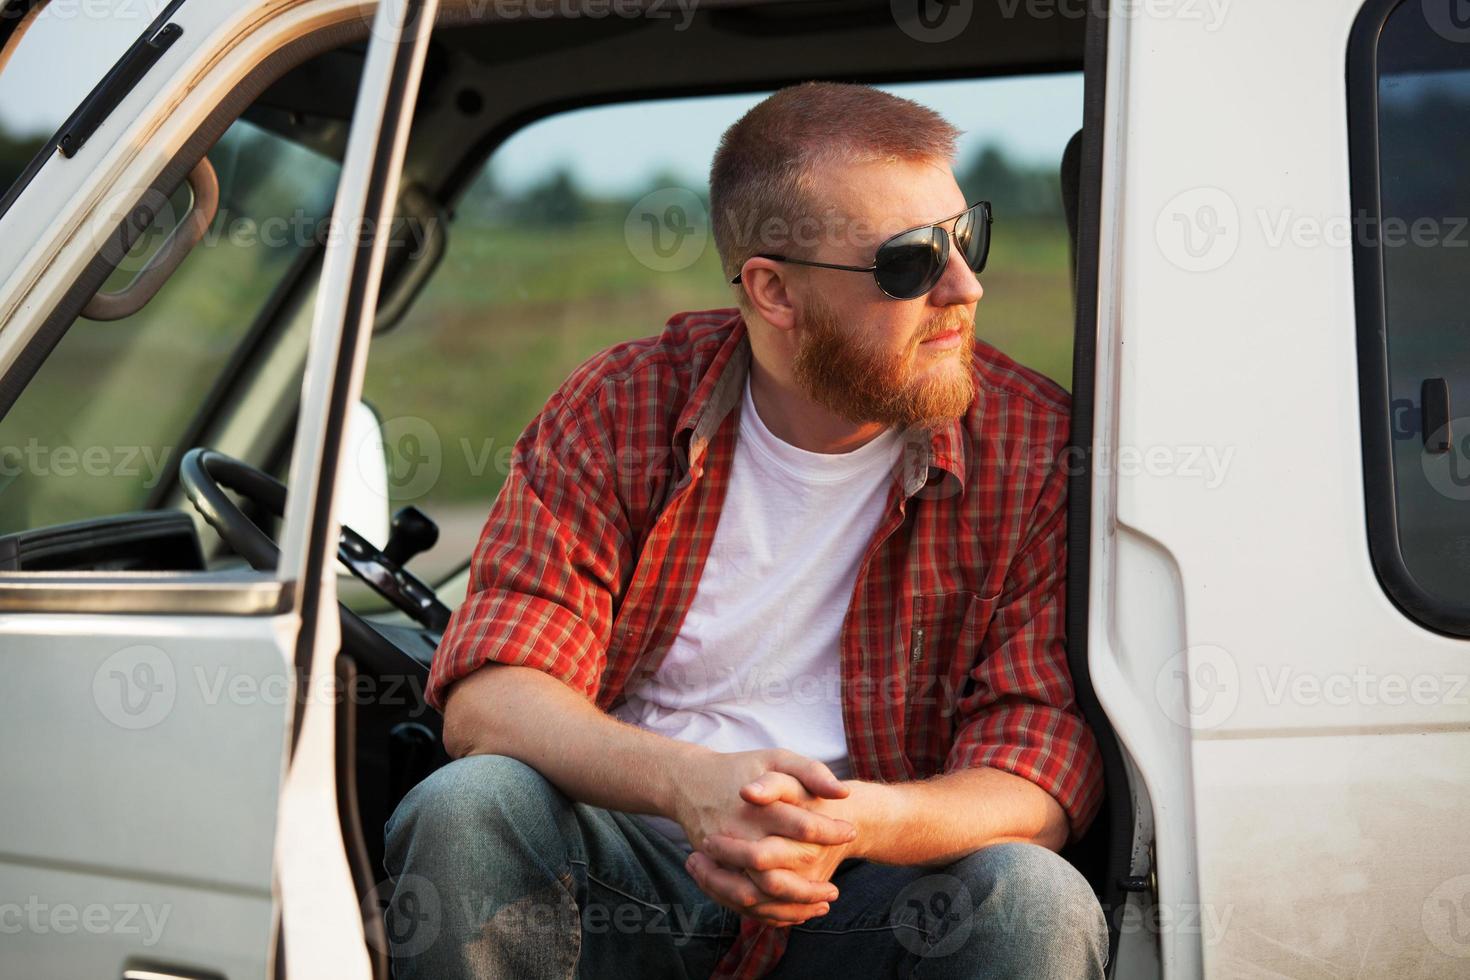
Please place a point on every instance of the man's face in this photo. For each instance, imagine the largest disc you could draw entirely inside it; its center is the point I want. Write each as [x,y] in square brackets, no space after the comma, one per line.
[862,354]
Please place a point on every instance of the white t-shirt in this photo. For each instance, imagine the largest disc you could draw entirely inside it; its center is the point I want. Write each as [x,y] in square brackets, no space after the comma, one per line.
[755,664]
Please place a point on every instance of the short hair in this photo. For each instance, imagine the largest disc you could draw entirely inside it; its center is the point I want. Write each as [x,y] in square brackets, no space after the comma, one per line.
[769,162]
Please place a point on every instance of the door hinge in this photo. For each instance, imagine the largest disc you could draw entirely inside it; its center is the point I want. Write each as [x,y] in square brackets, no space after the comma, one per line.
[1146,883]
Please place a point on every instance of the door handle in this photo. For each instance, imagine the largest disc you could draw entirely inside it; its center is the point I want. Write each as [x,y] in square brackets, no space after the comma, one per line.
[180,242]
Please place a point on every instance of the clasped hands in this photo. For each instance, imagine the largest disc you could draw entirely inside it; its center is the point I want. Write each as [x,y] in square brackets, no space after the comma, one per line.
[769,827]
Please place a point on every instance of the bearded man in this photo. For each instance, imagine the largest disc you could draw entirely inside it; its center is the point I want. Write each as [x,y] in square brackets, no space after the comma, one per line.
[761,670]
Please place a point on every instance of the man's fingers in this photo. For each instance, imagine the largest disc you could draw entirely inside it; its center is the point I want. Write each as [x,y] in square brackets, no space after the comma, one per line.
[765,854]
[799,824]
[783,883]
[777,789]
[787,915]
[736,891]
[728,887]
[772,786]
[773,863]
[815,776]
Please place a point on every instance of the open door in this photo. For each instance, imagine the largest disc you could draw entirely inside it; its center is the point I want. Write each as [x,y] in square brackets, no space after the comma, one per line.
[167,782]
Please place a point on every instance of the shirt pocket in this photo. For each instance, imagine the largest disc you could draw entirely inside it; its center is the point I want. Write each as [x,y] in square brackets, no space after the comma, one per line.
[943,644]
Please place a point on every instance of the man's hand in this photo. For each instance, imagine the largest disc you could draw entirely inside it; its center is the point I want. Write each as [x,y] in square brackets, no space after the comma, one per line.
[929,822]
[754,796]
[736,870]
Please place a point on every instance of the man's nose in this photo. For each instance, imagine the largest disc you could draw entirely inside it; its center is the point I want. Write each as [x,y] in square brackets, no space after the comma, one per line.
[958,286]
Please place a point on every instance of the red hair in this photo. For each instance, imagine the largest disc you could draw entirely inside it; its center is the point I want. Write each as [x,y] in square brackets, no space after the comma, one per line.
[767,171]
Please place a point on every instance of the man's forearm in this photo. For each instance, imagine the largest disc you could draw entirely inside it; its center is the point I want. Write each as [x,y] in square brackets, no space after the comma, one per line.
[939,820]
[589,755]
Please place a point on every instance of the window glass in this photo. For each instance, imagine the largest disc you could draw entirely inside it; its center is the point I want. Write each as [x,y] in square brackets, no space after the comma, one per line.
[101,422]
[1422,244]
[547,264]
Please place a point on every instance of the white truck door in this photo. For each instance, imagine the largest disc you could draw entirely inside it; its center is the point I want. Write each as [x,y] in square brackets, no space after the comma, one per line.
[166,778]
[1300,716]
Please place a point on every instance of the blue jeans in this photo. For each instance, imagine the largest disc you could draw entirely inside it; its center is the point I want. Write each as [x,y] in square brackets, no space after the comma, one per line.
[497,874]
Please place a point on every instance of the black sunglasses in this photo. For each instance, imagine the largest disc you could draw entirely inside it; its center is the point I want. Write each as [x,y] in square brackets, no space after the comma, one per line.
[910,263]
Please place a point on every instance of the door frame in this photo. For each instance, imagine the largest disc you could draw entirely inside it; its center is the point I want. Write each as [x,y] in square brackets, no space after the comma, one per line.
[319,927]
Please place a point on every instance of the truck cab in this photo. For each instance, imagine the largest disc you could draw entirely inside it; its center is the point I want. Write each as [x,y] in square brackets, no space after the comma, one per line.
[281,282]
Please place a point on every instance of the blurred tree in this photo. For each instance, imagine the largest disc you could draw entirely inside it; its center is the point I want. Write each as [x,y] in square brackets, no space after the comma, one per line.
[1014,188]
[666,178]
[556,201]
[484,200]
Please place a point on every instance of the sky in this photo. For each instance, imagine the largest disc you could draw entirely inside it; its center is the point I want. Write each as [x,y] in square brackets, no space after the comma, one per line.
[1030,118]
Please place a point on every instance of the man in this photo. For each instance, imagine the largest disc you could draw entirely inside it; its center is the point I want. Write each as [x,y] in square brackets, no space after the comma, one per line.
[761,670]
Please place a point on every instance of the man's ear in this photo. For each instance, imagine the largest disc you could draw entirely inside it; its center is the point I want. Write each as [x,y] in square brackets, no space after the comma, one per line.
[768,290]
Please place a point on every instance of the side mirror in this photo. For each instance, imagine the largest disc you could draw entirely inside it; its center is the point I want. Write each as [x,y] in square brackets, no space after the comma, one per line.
[362,482]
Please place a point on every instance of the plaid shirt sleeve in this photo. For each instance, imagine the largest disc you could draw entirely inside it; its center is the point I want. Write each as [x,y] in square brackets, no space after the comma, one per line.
[544,575]
[1021,715]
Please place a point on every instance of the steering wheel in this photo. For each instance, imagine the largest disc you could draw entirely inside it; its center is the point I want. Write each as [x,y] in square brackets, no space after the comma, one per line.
[206,474]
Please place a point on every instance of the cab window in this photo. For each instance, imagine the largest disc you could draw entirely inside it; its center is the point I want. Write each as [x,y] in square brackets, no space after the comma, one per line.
[1409,74]
[106,417]
[550,259]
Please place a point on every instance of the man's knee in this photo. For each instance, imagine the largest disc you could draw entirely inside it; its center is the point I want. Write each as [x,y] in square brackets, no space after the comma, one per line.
[477,853]
[478,800]
[1028,874]
[1029,905]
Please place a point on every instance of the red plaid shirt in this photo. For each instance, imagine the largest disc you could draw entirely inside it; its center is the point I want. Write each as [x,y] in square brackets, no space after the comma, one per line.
[952,650]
